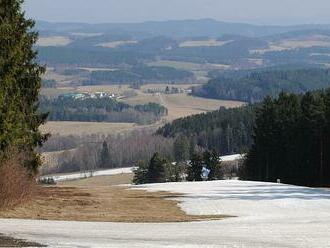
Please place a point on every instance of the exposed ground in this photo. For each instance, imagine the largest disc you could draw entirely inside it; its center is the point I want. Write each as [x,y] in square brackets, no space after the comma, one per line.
[182,105]
[96,199]
[11,242]
[268,216]
[101,181]
[79,128]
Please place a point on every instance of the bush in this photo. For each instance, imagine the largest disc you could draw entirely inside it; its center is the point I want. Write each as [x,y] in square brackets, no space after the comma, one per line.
[16,185]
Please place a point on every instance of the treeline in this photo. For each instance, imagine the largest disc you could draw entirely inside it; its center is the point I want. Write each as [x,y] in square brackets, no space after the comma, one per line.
[100,110]
[292,140]
[226,131]
[204,166]
[257,85]
[91,152]
[139,74]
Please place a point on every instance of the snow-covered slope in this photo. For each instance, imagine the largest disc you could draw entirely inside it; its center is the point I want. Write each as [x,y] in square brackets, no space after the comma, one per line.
[82,175]
[268,216]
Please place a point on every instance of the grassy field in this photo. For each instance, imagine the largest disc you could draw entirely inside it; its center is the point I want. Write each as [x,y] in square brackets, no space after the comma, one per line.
[79,128]
[54,41]
[182,105]
[188,65]
[203,43]
[114,44]
[103,204]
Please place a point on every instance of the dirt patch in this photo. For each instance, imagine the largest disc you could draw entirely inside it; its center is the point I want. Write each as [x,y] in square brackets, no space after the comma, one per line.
[100,181]
[104,204]
[11,242]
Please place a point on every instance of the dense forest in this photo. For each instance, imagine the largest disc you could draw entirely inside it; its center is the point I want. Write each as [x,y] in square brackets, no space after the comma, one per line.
[139,74]
[256,85]
[227,131]
[100,110]
[291,140]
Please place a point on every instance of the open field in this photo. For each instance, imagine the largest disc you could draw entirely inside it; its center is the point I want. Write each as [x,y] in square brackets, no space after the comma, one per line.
[114,44]
[53,41]
[204,43]
[188,65]
[102,204]
[100,181]
[288,44]
[81,128]
[268,216]
[182,105]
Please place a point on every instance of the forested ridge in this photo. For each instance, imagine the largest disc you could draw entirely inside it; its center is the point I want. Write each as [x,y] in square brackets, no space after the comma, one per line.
[227,130]
[139,74]
[257,85]
[100,110]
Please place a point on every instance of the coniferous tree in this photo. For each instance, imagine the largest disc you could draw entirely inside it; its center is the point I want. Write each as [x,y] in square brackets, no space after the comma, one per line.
[20,83]
[156,171]
[213,163]
[181,148]
[104,156]
[195,168]
[141,173]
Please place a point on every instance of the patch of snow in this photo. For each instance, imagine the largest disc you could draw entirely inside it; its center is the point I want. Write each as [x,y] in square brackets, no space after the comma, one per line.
[82,175]
[231,158]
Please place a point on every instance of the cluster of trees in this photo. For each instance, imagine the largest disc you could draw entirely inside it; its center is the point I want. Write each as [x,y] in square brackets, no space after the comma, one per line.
[226,131]
[140,74]
[256,85]
[100,110]
[90,152]
[291,140]
[202,166]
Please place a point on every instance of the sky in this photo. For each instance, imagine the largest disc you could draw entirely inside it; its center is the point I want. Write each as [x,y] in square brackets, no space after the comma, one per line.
[282,12]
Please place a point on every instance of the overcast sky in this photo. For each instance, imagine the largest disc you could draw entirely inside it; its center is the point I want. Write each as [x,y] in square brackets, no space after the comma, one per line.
[251,11]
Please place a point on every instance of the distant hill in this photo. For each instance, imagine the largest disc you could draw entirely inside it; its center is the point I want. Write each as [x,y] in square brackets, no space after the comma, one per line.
[185,28]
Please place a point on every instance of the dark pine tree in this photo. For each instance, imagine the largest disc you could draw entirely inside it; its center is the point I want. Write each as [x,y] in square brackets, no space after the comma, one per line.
[20,82]
[156,171]
[105,156]
[195,167]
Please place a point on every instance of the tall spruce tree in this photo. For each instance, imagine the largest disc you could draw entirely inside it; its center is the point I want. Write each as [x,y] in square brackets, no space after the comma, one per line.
[104,156]
[195,168]
[156,171]
[20,83]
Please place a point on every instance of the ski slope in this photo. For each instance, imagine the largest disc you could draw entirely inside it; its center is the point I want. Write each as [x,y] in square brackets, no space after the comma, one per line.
[268,216]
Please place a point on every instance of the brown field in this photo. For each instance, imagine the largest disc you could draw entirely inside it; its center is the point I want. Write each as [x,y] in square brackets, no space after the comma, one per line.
[100,181]
[288,44]
[114,44]
[104,204]
[54,41]
[80,128]
[204,43]
[182,105]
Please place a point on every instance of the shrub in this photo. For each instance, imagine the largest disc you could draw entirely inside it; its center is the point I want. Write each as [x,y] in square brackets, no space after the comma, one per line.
[16,185]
